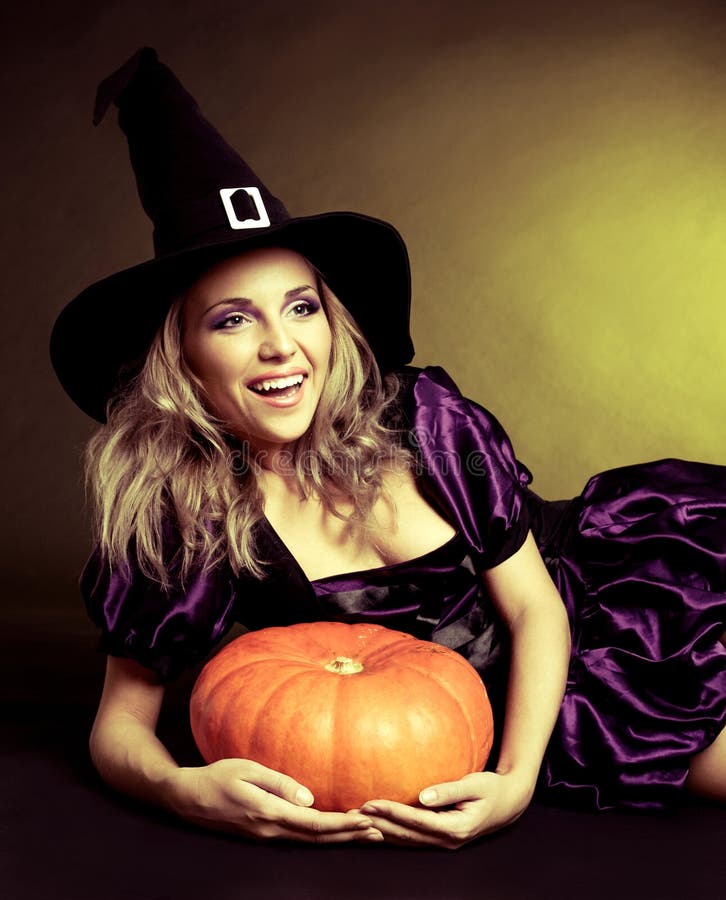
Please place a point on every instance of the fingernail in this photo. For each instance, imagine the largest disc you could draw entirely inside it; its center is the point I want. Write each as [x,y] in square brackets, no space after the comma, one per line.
[428,796]
[369,809]
[304,797]
[364,823]
[374,836]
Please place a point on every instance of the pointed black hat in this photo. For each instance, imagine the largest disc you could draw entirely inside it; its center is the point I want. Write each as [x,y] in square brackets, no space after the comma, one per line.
[206,204]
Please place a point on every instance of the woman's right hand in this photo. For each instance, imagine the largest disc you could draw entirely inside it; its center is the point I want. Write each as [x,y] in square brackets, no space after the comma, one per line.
[244,797]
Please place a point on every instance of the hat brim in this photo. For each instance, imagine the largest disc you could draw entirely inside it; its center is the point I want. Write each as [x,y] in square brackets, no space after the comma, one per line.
[109,326]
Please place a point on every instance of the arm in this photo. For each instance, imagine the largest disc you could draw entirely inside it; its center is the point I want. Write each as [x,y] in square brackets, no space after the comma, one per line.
[528,602]
[123,745]
[229,795]
[532,609]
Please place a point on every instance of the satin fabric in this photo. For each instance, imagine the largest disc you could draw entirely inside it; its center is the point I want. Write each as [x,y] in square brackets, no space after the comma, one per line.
[639,559]
[642,571]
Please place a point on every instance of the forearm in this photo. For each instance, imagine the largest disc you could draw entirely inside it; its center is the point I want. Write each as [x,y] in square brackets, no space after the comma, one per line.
[132,760]
[538,672]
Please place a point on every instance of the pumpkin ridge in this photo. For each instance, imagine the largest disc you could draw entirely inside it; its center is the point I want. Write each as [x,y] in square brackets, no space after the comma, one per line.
[234,672]
[265,646]
[336,640]
[324,641]
[387,649]
[450,690]
[262,710]
[458,659]
[251,728]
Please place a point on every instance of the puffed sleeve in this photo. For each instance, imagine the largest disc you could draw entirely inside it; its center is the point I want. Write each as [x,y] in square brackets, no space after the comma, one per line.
[167,632]
[469,463]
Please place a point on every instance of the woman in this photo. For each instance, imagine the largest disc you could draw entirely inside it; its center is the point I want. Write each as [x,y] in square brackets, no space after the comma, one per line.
[255,465]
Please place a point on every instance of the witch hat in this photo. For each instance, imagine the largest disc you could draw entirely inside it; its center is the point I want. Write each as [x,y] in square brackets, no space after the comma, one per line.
[206,204]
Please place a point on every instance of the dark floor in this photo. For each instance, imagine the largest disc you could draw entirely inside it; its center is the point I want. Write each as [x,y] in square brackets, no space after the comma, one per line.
[66,837]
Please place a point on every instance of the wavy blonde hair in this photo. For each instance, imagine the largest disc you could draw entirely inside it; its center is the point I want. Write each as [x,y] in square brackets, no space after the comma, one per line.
[163,460]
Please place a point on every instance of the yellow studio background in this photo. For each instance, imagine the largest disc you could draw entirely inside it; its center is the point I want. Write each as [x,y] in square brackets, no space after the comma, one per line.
[563,197]
[587,293]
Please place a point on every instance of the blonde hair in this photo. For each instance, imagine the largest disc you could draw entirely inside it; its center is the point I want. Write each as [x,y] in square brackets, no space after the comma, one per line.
[163,460]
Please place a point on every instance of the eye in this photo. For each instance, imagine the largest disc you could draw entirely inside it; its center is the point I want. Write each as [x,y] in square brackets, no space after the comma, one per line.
[233,320]
[303,308]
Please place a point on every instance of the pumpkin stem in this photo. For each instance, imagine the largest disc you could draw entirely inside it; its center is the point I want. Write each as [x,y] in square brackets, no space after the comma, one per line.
[343,665]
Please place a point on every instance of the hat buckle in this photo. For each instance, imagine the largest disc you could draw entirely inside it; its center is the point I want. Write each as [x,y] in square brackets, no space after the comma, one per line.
[262,220]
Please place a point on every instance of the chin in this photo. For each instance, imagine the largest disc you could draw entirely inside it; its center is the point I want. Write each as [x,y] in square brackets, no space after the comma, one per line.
[274,443]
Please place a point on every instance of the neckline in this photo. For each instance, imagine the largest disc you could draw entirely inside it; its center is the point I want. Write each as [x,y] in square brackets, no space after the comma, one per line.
[390,567]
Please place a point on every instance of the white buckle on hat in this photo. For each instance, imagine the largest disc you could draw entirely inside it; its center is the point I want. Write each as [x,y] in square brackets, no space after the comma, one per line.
[254,194]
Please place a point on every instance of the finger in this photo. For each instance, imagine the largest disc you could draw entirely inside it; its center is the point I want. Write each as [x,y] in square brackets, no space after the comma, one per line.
[262,831]
[382,812]
[367,835]
[273,830]
[407,836]
[301,818]
[279,784]
[471,787]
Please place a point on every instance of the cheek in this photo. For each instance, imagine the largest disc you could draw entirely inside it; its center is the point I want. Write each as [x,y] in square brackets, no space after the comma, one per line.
[325,355]
[212,372]
[220,397]
[325,345]
[192,355]
[206,361]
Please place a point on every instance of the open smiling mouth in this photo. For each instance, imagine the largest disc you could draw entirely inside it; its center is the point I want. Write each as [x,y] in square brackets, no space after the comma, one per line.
[280,388]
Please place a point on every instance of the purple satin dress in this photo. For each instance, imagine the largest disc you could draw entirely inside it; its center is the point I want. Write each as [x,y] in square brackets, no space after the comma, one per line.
[639,560]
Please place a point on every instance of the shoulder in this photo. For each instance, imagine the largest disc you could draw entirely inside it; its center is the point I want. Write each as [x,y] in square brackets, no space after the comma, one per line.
[441,420]
[419,386]
[426,393]
[466,464]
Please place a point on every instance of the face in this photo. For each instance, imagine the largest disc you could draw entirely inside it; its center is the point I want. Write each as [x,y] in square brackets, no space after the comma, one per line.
[256,335]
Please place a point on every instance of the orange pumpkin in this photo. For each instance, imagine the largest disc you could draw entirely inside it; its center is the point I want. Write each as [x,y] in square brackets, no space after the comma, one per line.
[353,712]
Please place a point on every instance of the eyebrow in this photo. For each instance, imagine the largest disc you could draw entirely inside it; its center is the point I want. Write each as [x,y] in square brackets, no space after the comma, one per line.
[245,301]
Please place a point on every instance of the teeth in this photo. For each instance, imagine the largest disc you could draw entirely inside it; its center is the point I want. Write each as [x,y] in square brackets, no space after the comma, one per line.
[277,383]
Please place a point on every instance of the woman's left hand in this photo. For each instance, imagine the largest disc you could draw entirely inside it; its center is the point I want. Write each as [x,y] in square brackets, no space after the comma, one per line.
[457,812]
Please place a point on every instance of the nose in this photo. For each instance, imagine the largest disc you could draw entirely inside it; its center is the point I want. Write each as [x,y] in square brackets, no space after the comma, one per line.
[276,342]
